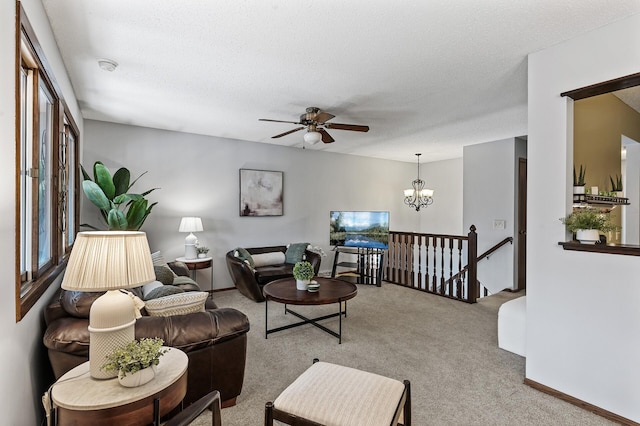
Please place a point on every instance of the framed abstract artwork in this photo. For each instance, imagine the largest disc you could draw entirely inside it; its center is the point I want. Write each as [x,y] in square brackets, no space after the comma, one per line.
[261,193]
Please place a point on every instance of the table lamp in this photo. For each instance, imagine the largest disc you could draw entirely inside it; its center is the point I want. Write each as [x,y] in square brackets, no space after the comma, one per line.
[109,261]
[190,225]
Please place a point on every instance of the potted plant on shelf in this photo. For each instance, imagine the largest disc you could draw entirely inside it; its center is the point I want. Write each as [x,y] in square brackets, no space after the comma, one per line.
[578,180]
[616,186]
[587,225]
[303,272]
[136,362]
[202,251]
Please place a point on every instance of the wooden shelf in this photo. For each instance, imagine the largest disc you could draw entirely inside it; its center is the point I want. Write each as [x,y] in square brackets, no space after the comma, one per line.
[600,200]
[623,249]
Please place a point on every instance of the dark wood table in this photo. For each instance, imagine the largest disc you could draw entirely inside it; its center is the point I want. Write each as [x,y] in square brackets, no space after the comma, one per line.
[331,291]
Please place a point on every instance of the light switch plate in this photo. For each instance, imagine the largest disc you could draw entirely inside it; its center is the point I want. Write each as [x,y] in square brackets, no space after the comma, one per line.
[499,224]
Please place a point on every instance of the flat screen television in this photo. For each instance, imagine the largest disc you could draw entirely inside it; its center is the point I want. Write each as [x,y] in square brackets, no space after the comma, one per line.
[366,229]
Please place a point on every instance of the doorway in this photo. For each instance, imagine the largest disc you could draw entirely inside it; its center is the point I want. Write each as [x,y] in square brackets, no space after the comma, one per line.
[521,239]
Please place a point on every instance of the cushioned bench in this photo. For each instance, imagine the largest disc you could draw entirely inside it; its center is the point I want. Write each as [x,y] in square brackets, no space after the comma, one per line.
[334,395]
[512,326]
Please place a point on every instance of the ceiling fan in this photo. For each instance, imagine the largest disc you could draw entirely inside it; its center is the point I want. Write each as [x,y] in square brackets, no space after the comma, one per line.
[315,120]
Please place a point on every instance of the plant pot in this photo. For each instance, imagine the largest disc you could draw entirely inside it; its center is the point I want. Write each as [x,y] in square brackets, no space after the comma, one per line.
[138,378]
[588,236]
[302,284]
[620,194]
[579,189]
[202,255]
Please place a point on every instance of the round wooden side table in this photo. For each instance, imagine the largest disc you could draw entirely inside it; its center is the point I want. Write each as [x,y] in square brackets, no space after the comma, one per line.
[198,263]
[80,399]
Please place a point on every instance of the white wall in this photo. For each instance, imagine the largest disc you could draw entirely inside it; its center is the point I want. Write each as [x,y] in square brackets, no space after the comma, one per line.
[23,364]
[490,183]
[444,216]
[583,309]
[198,175]
[631,213]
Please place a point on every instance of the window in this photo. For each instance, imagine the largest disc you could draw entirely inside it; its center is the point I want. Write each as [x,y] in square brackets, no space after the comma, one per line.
[47,153]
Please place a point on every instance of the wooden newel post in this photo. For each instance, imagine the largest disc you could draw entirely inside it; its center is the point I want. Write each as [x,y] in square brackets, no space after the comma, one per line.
[472,259]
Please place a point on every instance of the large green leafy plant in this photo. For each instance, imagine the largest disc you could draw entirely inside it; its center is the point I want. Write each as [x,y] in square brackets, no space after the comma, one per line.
[588,219]
[120,209]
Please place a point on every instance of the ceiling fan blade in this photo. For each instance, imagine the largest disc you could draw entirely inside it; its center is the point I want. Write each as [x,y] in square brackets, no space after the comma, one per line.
[322,116]
[354,127]
[326,137]
[286,133]
[279,121]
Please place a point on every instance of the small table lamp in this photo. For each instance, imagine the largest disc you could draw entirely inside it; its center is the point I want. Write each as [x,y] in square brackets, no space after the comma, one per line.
[190,225]
[109,261]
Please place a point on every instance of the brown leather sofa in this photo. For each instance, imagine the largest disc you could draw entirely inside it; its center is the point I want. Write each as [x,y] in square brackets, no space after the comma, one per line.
[249,281]
[215,341]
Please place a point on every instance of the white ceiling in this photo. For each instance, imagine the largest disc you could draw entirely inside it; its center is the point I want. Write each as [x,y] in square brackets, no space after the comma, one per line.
[427,76]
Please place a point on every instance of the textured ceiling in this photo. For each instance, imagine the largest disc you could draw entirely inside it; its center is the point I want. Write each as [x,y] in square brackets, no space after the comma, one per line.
[426,76]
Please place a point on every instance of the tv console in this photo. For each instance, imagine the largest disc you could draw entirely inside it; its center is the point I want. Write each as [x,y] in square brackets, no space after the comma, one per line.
[367,268]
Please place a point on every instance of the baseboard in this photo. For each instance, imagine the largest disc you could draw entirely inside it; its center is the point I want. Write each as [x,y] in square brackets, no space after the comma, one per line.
[584,405]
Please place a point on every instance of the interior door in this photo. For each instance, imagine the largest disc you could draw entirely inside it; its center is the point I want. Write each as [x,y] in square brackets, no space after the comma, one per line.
[522,225]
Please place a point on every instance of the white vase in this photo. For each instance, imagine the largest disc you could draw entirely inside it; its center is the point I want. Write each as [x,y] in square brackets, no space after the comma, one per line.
[139,378]
[302,284]
[588,236]
[579,190]
[202,255]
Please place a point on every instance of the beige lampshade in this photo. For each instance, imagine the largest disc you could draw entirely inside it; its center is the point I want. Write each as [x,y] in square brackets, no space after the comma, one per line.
[109,260]
[191,224]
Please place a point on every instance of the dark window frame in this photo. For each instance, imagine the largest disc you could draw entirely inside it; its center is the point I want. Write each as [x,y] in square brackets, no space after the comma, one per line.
[32,281]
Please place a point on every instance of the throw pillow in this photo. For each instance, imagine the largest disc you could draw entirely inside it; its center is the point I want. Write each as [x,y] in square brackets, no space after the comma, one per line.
[294,252]
[148,287]
[180,269]
[177,304]
[183,280]
[164,274]
[162,291]
[267,259]
[244,255]
[158,260]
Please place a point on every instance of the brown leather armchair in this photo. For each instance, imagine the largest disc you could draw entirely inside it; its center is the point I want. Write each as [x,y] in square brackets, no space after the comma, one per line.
[250,281]
[215,342]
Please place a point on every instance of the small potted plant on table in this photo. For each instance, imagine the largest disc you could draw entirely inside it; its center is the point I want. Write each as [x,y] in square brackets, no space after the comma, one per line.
[587,225]
[202,251]
[303,272]
[136,362]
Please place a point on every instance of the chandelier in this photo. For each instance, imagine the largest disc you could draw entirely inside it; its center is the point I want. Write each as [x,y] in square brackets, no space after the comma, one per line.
[418,196]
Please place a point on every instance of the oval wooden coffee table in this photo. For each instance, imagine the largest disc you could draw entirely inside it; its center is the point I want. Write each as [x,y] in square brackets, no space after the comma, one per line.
[330,291]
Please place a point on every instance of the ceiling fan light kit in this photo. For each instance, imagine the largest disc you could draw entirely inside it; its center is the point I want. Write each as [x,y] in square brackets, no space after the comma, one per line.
[312,137]
[418,196]
[315,121]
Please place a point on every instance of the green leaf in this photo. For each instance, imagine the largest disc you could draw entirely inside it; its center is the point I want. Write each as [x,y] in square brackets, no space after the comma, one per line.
[104,181]
[134,182]
[121,180]
[136,214]
[144,194]
[122,198]
[95,195]
[84,173]
[116,220]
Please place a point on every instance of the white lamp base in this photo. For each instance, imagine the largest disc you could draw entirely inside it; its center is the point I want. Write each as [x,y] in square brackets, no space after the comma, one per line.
[111,326]
[190,251]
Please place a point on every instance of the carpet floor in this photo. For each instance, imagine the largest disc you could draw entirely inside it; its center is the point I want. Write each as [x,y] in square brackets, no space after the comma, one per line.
[447,349]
